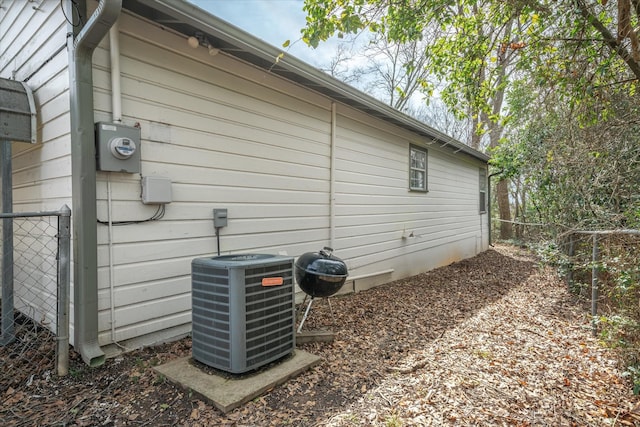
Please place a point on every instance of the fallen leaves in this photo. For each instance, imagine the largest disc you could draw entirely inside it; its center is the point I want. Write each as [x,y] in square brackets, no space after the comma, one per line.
[524,357]
[493,340]
[628,416]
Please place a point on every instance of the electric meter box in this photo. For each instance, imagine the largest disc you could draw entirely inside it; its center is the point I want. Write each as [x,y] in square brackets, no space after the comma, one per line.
[117,147]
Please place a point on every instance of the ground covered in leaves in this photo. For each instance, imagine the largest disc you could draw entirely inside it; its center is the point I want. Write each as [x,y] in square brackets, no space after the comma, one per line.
[493,340]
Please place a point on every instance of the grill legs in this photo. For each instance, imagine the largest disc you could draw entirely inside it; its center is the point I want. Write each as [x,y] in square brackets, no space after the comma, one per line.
[306,312]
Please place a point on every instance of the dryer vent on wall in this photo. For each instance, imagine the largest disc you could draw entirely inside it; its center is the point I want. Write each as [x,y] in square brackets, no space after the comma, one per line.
[243,310]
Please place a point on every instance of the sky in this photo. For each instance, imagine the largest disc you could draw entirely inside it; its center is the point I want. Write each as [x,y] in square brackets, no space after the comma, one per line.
[274,21]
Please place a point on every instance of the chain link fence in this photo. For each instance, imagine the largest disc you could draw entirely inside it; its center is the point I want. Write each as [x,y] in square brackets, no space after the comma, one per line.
[606,265]
[602,269]
[34,339]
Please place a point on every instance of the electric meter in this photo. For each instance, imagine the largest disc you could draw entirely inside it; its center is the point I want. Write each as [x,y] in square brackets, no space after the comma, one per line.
[117,147]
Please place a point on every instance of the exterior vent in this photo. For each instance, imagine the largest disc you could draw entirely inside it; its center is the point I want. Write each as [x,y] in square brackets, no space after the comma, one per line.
[243,310]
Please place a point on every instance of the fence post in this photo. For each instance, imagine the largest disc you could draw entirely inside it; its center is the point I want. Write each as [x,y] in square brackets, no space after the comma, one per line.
[7,326]
[594,284]
[64,261]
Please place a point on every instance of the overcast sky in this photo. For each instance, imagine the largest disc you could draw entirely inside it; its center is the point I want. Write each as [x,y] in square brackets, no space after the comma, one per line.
[274,21]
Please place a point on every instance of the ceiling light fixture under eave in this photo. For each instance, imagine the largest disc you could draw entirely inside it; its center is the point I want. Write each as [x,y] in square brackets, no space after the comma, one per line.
[193,42]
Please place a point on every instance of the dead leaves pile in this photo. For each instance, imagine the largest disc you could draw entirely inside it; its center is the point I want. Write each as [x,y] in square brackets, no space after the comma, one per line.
[525,359]
[493,340]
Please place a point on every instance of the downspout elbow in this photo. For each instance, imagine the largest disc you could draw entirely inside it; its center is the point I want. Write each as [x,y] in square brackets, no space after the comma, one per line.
[98,25]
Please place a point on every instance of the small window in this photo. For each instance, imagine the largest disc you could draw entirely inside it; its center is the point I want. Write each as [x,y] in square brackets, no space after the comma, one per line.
[417,169]
[483,190]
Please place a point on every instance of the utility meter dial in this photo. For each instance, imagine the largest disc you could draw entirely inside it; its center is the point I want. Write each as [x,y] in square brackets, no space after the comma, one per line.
[122,148]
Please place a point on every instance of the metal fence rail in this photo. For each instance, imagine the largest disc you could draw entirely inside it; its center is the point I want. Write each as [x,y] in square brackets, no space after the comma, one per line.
[34,325]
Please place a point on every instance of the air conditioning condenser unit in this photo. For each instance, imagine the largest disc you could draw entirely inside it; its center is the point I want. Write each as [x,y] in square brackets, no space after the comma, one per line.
[243,310]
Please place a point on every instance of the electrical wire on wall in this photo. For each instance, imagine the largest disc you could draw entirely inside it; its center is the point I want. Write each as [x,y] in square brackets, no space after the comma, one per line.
[76,9]
[159,214]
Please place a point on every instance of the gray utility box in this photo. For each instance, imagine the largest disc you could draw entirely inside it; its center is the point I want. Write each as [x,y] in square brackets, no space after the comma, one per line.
[243,310]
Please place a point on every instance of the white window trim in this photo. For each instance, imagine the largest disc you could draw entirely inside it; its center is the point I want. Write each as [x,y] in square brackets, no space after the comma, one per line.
[482,185]
[424,187]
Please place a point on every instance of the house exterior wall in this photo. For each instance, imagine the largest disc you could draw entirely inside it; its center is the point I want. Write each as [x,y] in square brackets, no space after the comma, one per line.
[229,135]
[32,50]
[384,230]
[32,41]
[233,136]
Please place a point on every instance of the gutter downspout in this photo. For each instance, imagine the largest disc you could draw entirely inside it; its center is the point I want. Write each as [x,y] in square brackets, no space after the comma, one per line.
[83,179]
[332,180]
[116,108]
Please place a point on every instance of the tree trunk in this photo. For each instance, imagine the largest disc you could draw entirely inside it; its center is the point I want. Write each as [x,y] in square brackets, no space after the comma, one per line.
[517,213]
[502,194]
[523,208]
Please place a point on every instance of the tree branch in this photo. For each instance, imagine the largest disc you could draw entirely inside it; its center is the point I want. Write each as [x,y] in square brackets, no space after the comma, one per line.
[609,38]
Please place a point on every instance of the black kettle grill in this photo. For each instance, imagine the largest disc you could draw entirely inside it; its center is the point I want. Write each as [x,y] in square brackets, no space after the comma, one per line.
[319,274]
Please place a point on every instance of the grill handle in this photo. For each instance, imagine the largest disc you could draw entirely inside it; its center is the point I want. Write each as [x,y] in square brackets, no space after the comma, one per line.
[326,252]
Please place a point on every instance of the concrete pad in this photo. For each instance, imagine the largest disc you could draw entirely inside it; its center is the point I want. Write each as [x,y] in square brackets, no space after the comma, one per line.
[318,335]
[227,393]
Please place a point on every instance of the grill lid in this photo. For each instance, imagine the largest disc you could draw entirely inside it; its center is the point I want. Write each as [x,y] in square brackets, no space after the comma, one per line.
[320,274]
[322,263]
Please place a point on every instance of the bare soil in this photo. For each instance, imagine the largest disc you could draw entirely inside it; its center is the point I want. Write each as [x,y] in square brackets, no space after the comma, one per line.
[492,340]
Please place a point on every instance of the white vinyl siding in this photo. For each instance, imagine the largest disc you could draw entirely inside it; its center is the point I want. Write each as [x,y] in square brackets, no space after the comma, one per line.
[33,50]
[375,213]
[33,40]
[232,136]
[228,136]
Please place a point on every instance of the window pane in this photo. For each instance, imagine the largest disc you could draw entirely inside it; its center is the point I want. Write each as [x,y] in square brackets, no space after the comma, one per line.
[418,159]
[417,179]
[483,179]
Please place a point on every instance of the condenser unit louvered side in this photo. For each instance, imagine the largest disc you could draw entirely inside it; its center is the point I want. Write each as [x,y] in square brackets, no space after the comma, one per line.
[243,310]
